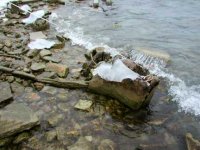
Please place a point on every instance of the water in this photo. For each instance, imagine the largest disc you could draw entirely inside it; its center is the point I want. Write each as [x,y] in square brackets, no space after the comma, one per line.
[162,26]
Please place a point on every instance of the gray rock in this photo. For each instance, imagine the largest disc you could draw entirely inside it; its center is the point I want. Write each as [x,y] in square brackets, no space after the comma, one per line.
[192,144]
[51,59]
[32,53]
[49,90]
[50,135]
[10,79]
[64,107]
[81,144]
[1,46]
[38,66]
[61,70]
[5,93]
[17,88]
[45,53]
[54,119]
[37,35]
[8,43]
[107,144]
[16,118]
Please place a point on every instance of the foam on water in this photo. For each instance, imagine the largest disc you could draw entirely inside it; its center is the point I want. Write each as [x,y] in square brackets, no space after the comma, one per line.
[187,97]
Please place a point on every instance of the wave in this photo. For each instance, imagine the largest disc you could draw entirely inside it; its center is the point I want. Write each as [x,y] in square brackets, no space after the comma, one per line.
[187,97]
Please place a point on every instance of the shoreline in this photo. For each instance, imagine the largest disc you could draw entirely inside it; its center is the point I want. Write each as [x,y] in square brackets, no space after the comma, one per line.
[63,126]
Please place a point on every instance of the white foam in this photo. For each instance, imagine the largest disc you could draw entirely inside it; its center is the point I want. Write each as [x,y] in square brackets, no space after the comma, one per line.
[187,97]
[34,16]
[41,44]
[115,72]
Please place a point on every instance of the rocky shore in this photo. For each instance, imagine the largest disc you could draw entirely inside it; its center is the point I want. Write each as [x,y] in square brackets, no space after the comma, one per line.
[51,98]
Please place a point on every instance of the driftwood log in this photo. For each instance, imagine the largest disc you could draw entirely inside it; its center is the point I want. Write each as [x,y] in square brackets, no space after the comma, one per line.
[54,82]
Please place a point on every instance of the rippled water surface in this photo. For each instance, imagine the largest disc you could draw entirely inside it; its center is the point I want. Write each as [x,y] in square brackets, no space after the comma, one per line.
[158,26]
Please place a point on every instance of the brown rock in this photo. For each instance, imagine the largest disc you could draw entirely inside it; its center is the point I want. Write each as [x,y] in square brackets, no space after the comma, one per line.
[61,70]
[39,86]
[192,144]
[133,93]
[135,67]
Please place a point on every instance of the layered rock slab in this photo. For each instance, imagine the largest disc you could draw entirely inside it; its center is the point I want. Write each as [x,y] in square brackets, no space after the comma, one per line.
[16,118]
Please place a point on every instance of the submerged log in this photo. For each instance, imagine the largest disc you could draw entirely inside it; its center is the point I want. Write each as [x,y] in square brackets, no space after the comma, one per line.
[133,93]
[54,82]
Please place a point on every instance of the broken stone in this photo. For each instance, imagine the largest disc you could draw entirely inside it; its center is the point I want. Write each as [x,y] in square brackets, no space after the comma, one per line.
[21,137]
[37,66]
[39,86]
[10,79]
[32,53]
[50,135]
[8,43]
[45,53]
[107,144]
[64,107]
[17,88]
[54,119]
[16,118]
[61,70]
[82,144]
[5,93]
[133,93]
[40,25]
[192,144]
[51,59]
[83,105]
[37,35]
[49,90]
[59,45]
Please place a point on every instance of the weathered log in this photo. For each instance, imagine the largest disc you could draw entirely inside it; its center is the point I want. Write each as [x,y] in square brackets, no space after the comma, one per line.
[58,83]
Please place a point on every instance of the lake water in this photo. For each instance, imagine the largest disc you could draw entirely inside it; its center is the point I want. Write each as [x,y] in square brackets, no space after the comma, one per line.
[129,26]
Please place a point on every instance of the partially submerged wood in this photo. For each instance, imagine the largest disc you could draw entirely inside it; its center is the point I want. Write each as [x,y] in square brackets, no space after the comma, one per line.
[54,82]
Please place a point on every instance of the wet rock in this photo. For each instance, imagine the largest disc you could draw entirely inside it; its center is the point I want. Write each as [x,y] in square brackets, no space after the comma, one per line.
[62,38]
[39,86]
[5,93]
[32,53]
[22,137]
[83,105]
[38,66]
[16,118]
[50,135]
[17,88]
[8,43]
[61,70]
[61,133]
[37,35]
[1,46]
[135,67]
[40,25]
[5,141]
[45,53]
[64,107]
[107,144]
[59,45]
[51,59]
[82,144]
[49,90]
[133,93]
[54,119]
[10,79]
[192,144]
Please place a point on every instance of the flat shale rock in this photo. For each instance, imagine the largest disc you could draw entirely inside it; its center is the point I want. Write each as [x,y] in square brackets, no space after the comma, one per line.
[16,118]
[5,92]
